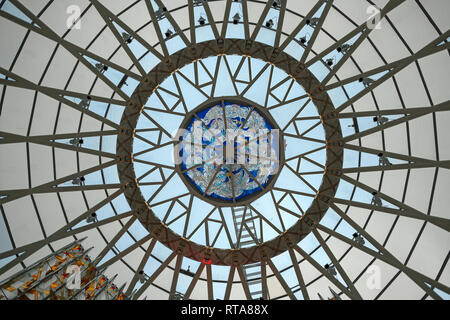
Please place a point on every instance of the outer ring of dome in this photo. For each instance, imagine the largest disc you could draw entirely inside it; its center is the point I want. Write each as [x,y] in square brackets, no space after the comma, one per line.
[268,249]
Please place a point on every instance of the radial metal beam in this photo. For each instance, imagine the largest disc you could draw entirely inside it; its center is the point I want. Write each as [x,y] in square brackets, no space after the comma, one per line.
[246,19]
[152,278]
[58,145]
[433,47]
[384,112]
[113,242]
[280,24]
[96,225]
[322,270]
[302,24]
[174,23]
[445,106]
[413,214]
[29,249]
[391,5]
[209,282]
[157,27]
[73,48]
[211,21]
[229,283]
[56,38]
[23,83]
[45,187]
[244,283]
[194,281]
[418,278]
[192,28]
[405,210]
[377,255]
[135,35]
[9,138]
[262,17]
[409,159]
[105,15]
[343,274]
[317,29]
[226,19]
[406,166]
[9,193]
[301,280]
[176,274]
[281,280]
[264,287]
[388,7]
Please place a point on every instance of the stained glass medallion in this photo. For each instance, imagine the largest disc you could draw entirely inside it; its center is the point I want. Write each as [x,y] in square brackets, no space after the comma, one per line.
[229,151]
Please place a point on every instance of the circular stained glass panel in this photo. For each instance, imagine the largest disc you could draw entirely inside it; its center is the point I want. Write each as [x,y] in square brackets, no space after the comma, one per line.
[229,151]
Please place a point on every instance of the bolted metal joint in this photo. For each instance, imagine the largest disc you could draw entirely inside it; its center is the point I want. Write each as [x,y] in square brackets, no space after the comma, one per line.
[333,171]
[275,54]
[334,144]
[126,132]
[182,245]
[221,45]
[125,158]
[328,116]
[248,46]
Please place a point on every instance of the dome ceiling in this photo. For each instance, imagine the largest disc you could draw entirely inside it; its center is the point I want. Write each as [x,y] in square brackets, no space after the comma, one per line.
[353,195]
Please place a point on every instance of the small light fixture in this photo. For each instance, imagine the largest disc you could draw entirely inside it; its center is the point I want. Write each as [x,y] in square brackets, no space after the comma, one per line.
[168,33]
[126,37]
[236,18]
[91,218]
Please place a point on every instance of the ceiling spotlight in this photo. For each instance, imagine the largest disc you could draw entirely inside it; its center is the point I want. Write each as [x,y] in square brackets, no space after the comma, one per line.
[343,48]
[313,22]
[91,218]
[202,21]
[380,120]
[236,18]
[101,67]
[78,181]
[85,103]
[126,37]
[330,269]
[303,40]
[141,276]
[366,81]
[358,238]
[330,62]
[383,160]
[76,142]
[376,200]
[168,33]
[269,23]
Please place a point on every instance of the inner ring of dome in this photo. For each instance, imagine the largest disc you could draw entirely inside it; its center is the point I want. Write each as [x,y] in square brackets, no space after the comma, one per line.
[229,151]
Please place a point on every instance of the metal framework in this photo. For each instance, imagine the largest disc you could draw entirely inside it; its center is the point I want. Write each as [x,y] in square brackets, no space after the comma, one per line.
[170,65]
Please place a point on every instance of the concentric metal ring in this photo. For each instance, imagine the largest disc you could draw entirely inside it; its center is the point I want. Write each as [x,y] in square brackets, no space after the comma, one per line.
[285,240]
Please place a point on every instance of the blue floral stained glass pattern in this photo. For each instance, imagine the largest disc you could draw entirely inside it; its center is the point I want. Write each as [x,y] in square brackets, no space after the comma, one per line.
[216,171]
